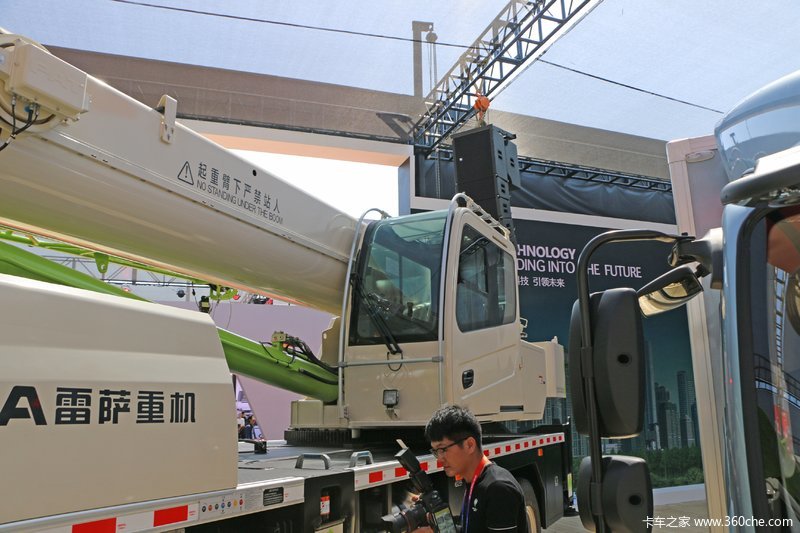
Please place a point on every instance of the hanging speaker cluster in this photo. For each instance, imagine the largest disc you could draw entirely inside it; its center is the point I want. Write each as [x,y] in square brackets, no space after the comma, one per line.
[487,170]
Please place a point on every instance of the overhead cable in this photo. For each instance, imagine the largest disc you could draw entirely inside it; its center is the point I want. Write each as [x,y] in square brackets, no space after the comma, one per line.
[288,24]
[631,87]
[396,38]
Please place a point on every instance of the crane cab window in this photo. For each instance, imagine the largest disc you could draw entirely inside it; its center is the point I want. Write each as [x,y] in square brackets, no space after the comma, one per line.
[485,291]
[396,287]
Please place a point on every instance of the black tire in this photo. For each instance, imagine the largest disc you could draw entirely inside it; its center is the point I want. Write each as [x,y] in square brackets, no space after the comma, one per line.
[531,506]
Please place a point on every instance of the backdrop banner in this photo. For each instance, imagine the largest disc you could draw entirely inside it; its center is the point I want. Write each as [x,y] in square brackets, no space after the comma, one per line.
[547,259]
[436,179]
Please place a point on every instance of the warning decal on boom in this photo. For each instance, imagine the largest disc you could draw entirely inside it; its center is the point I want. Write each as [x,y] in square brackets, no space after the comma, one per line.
[252,195]
[185,175]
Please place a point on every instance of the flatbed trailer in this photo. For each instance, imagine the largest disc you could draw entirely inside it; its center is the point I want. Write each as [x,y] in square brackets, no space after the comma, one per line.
[282,491]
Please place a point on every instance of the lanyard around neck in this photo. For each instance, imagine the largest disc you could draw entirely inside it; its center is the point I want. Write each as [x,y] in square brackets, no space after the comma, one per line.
[468,495]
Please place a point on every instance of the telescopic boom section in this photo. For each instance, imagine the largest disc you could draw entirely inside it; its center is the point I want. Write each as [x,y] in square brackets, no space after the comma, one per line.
[83,163]
[266,362]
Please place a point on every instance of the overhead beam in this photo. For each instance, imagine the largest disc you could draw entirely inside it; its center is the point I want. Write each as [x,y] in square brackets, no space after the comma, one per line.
[563,170]
[529,165]
[519,35]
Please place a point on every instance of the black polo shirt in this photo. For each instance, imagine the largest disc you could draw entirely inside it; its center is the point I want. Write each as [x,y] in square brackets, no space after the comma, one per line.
[497,504]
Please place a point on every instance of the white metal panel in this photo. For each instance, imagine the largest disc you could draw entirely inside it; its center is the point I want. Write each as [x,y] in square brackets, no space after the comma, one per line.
[172,513]
[697,209]
[417,383]
[47,80]
[125,401]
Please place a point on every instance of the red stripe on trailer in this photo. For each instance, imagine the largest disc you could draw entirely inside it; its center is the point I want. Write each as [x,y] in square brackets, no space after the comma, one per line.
[107,525]
[162,517]
[372,475]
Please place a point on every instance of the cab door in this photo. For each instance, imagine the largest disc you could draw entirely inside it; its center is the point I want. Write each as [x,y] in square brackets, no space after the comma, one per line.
[482,327]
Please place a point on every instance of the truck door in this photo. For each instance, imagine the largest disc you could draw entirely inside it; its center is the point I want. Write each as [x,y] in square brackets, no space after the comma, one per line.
[481,318]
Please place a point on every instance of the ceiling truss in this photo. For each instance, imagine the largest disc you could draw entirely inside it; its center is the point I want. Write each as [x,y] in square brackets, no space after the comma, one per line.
[541,167]
[522,32]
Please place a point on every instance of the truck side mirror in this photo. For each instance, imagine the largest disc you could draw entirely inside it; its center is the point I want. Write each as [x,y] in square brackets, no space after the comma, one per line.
[669,291]
[627,495]
[616,364]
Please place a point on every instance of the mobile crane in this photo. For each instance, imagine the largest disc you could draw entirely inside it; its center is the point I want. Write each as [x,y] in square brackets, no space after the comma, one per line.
[741,189]
[118,415]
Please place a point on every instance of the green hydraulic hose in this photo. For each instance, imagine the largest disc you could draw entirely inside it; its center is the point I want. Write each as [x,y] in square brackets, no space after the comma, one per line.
[269,364]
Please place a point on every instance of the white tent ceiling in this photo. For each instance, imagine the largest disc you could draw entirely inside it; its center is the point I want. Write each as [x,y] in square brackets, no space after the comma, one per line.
[651,68]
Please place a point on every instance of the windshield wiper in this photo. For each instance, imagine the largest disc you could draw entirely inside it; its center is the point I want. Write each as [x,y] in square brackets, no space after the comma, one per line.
[377,319]
[474,246]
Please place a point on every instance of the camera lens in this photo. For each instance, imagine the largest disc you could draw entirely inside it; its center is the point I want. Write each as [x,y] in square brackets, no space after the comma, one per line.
[406,519]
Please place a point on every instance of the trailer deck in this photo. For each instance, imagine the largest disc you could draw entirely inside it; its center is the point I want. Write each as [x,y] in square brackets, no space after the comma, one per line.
[265,482]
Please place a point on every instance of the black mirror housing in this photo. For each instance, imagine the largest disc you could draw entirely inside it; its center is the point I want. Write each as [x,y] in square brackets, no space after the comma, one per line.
[617,364]
[627,495]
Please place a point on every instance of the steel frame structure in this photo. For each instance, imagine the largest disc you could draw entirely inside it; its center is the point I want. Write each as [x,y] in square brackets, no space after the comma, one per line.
[521,33]
[570,171]
[562,170]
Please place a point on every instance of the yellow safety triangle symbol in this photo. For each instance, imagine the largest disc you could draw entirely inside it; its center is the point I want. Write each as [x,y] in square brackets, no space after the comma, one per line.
[185,175]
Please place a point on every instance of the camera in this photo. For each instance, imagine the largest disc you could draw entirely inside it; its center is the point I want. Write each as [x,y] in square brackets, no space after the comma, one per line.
[429,510]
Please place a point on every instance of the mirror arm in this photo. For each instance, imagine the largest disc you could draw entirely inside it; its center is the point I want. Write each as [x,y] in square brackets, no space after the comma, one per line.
[587,343]
[701,271]
[706,251]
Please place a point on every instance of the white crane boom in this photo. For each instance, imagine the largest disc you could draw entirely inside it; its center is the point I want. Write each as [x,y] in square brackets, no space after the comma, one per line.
[86,164]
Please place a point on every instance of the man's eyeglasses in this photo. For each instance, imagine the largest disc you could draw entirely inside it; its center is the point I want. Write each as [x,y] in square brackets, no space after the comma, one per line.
[438,452]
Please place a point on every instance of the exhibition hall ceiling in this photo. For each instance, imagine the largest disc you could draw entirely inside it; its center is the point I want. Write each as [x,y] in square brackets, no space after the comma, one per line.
[656,69]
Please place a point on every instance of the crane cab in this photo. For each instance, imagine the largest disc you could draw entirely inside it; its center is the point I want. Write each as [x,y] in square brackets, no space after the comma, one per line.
[431,317]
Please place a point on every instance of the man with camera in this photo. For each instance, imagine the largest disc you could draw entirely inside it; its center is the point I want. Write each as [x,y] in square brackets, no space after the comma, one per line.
[493,500]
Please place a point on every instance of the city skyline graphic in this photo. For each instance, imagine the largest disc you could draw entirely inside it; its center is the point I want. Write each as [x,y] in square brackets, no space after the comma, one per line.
[548,289]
